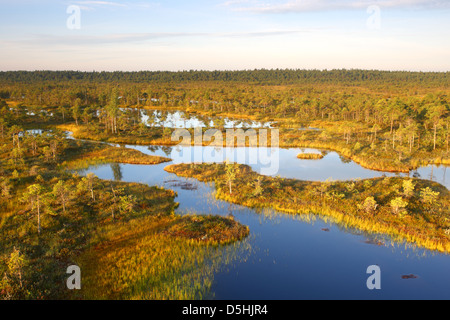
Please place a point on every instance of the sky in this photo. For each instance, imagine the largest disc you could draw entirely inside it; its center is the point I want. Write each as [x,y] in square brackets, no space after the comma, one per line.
[173,35]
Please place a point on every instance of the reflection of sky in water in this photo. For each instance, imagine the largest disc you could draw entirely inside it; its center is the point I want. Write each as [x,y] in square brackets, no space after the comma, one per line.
[179,119]
[294,259]
[284,162]
[332,166]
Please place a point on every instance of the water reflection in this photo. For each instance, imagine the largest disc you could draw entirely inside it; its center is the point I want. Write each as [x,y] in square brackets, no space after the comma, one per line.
[180,119]
[117,171]
[292,257]
[333,166]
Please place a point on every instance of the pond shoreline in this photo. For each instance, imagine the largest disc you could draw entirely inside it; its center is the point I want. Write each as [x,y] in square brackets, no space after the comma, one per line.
[315,145]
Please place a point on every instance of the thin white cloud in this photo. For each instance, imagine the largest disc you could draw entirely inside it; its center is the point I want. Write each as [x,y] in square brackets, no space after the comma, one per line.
[81,40]
[298,6]
[101,3]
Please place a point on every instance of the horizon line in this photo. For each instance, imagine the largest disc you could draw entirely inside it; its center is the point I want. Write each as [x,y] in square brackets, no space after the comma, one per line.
[226,70]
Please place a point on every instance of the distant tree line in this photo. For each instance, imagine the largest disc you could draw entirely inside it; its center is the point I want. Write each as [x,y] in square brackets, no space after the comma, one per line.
[261,76]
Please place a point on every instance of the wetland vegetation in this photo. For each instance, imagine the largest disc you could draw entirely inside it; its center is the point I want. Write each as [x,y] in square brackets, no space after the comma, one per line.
[51,217]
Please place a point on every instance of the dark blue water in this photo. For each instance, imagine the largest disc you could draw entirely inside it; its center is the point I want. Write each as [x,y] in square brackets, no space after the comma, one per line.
[293,258]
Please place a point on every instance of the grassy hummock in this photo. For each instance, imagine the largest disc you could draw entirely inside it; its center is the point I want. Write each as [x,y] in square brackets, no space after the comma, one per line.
[211,229]
[94,153]
[310,156]
[160,258]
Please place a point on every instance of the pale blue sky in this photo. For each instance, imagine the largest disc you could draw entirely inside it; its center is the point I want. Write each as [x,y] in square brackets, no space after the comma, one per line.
[226,35]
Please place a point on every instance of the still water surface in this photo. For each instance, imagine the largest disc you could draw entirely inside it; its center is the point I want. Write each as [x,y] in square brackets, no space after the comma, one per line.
[293,258]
